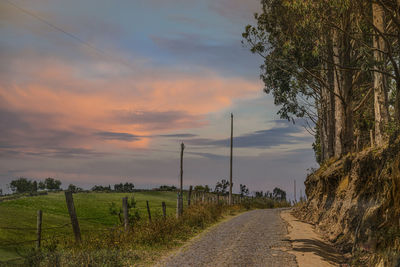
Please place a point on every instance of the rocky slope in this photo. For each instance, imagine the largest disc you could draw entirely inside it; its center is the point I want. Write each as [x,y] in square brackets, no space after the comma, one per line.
[355,202]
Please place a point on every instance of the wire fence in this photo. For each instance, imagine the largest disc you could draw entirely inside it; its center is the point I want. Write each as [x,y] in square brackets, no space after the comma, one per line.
[15,245]
[48,233]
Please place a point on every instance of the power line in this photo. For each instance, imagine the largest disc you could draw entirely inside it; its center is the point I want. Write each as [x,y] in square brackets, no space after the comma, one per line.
[73,36]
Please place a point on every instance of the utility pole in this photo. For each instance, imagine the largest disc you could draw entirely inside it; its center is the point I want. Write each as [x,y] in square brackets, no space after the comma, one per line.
[230,176]
[295,200]
[179,210]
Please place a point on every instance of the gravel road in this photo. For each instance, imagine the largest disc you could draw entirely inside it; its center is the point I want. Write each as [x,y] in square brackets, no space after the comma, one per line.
[254,238]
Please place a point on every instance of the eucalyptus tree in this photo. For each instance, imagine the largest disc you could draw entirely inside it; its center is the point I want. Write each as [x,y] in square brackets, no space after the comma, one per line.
[322,61]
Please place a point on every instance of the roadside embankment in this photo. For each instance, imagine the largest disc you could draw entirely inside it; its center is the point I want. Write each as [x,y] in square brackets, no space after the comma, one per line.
[355,203]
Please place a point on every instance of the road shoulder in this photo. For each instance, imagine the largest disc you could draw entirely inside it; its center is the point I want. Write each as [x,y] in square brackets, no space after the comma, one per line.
[308,246]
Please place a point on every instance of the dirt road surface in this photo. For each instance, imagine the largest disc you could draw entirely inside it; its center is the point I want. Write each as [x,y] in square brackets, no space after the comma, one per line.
[256,238]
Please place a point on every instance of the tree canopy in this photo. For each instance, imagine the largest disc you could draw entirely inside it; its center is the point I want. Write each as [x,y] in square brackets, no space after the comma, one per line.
[334,65]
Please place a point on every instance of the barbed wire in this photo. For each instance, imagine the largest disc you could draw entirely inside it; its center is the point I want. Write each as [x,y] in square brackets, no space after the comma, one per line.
[11,244]
[93,218]
[33,229]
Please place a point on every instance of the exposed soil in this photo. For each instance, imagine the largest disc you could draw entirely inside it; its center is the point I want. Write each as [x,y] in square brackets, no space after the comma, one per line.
[308,246]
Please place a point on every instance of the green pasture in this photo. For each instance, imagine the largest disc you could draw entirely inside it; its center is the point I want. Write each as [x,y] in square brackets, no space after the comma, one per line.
[93,211]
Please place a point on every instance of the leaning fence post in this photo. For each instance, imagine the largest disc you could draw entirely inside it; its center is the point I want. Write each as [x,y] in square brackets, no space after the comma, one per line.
[148,210]
[190,194]
[72,215]
[126,212]
[164,209]
[39,228]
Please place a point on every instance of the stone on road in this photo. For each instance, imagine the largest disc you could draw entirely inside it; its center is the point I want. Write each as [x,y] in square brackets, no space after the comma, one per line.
[254,238]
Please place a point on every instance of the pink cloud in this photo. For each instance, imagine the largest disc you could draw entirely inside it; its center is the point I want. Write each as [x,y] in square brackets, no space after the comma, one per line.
[83,101]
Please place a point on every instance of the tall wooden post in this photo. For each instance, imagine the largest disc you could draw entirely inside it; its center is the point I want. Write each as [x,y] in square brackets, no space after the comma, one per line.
[126,212]
[295,199]
[180,195]
[230,173]
[72,215]
[39,229]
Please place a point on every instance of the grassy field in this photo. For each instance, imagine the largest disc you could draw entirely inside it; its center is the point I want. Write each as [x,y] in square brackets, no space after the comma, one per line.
[104,241]
[92,211]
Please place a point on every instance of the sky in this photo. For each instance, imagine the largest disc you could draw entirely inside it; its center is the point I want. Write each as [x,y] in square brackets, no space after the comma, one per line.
[102,92]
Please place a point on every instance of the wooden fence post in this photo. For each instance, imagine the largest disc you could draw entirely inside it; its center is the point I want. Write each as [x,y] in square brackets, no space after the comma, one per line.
[72,215]
[148,210]
[126,212]
[164,209]
[39,228]
[179,208]
[190,195]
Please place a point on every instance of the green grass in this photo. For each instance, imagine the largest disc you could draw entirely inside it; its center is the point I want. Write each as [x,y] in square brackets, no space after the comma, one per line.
[103,244]
[92,211]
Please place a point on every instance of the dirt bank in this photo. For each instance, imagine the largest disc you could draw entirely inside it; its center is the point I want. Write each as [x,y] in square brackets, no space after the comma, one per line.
[308,246]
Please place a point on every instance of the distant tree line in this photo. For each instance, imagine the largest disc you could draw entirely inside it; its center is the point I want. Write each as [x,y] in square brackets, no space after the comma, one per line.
[276,194]
[121,188]
[24,185]
[202,188]
[167,188]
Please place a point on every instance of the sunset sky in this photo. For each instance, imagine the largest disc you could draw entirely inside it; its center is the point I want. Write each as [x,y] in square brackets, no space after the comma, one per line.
[101,91]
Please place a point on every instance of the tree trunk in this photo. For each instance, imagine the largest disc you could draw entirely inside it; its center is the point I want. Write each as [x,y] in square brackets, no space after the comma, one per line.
[343,83]
[339,105]
[348,131]
[322,127]
[380,81]
[330,101]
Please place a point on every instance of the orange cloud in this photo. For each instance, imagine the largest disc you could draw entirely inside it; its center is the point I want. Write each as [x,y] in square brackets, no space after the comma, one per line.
[148,104]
